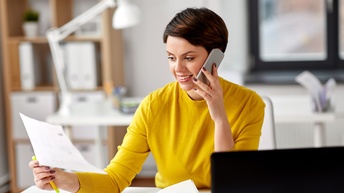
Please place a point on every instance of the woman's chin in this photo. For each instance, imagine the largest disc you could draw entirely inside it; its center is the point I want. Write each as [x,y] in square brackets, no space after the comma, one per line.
[187,87]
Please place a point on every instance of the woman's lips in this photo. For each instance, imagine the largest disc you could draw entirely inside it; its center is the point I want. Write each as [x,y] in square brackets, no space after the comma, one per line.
[184,78]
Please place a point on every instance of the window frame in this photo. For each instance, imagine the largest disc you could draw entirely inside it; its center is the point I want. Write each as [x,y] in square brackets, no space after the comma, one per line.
[332,61]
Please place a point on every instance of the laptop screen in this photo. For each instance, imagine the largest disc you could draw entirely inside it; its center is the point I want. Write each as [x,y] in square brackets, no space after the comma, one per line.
[277,171]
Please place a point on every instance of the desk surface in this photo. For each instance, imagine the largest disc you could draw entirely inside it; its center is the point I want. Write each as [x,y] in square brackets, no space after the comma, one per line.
[298,109]
[287,109]
[34,189]
[99,113]
[150,190]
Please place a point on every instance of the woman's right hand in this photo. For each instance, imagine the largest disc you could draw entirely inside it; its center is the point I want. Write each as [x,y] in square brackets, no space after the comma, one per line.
[43,175]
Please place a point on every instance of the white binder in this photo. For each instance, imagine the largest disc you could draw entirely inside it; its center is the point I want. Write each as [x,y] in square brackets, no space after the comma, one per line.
[80,59]
[27,66]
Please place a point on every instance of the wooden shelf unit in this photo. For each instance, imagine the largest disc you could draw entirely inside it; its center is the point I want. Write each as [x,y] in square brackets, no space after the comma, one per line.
[61,11]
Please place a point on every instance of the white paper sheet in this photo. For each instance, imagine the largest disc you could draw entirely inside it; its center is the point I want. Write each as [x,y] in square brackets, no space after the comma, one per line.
[53,148]
[186,186]
[141,190]
[34,189]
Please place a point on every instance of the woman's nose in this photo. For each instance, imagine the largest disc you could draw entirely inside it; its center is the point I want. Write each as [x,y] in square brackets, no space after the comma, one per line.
[179,65]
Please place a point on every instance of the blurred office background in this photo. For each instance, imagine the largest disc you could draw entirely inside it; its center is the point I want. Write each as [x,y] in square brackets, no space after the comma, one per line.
[271,41]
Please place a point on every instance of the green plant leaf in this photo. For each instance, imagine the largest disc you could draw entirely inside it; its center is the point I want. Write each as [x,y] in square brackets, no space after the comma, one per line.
[31,15]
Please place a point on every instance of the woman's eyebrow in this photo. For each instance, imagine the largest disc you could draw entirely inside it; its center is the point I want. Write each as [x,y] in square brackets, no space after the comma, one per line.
[188,52]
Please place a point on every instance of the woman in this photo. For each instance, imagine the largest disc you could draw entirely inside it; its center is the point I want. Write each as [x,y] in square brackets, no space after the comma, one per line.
[184,122]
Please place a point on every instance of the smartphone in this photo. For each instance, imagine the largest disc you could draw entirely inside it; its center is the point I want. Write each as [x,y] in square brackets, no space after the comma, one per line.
[215,57]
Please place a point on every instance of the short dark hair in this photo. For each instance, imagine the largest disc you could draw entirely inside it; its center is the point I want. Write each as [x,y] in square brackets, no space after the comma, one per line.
[199,26]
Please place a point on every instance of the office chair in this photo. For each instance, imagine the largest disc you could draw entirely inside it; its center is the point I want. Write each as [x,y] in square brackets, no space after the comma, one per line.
[268,137]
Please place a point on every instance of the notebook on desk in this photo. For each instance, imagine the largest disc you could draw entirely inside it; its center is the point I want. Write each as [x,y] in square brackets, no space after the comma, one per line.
[283,171]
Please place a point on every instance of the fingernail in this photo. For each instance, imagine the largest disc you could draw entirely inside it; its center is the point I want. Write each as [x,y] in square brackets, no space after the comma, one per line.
[204,69]
[194,79]
[52,171]
[47,168]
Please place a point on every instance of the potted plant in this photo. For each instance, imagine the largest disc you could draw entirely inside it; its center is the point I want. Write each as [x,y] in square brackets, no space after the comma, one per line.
[30,25]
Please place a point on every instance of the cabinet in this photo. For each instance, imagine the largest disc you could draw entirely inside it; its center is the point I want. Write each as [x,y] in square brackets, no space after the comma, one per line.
[55,13]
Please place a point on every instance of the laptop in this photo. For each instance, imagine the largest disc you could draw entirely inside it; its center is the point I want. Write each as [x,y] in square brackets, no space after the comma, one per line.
[301,170]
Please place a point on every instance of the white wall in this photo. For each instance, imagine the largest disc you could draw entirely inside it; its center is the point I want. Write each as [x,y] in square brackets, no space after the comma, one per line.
[146,62]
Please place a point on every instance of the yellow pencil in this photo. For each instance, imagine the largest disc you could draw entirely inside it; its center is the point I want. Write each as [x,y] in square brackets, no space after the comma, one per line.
[52,184]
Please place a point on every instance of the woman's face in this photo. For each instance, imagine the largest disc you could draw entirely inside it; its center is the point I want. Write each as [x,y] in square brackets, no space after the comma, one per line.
[185,61]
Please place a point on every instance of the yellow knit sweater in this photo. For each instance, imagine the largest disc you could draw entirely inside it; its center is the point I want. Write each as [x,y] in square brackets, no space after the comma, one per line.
[180,134]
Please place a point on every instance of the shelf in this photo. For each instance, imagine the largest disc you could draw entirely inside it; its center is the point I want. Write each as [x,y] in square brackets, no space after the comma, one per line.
[83,38]
[44,40]
[37,88]
[18,39]
[55,13]
[21,141]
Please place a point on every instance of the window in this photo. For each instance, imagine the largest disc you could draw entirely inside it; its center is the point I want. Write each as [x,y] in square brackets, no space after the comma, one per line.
[296,35]
[341,29]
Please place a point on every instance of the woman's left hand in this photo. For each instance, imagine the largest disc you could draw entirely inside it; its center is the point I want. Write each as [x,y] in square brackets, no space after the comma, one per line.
[213,94]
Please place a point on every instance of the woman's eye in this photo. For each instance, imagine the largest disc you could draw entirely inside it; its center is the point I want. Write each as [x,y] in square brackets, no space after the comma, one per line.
[170,58]
[189,58]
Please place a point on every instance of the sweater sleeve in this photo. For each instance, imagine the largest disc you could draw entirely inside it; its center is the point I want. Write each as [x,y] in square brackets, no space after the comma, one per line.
[120,172]
[253,121]
[126,164]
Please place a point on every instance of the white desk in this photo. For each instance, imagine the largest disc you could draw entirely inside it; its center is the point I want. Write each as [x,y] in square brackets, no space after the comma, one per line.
[298,109]
[150,190]
[99,114]
[92,113]
[34,189]
[287,109]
